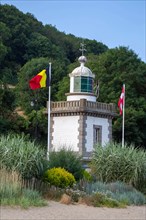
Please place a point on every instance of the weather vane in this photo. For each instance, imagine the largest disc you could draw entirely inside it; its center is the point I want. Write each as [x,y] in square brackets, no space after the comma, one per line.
[82,45]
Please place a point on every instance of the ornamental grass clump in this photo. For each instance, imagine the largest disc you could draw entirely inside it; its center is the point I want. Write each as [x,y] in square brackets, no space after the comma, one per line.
[116,163]
[21,155]
[59,177]
[12,191]
[10,183]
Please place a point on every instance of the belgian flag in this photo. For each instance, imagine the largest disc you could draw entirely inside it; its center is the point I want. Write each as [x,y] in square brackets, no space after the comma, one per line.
[41,80]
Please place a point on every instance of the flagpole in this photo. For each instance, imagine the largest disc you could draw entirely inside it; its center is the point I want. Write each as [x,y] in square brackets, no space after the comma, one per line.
[49,95]
[123,121]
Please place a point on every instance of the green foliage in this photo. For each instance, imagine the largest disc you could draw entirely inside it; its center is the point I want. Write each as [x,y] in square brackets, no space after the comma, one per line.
[98,199]
[38,46]
[4,125]
[117,191]
[13,193]
[23,38]
[113,68]
[37,125]
[59,177]
[39,96]
[7,101]
[87,176]
[63,88]
[17,153]
[95,47]
[10,121]
[29,70]
[75,194]
[114,162]
[68,160]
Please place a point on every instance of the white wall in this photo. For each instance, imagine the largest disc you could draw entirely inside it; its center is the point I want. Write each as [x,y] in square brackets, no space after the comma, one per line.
[71,84]
[96,121]
[78,97]
[65,132]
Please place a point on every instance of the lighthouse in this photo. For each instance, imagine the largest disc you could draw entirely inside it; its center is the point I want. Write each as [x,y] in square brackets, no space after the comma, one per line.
[81,121]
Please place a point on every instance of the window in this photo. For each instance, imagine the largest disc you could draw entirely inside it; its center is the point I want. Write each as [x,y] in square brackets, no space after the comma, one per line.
[97,134]
[83,84]
[77,84]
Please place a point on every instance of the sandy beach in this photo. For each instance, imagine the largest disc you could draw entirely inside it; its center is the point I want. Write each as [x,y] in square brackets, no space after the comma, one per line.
[58,211]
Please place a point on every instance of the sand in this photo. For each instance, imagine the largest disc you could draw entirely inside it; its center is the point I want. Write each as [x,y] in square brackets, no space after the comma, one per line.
[58,211]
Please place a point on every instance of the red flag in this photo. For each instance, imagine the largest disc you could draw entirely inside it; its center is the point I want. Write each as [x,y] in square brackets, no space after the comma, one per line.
[42,79]
[121,101]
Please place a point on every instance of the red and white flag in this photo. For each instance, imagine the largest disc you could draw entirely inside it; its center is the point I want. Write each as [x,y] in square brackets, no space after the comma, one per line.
[121,100]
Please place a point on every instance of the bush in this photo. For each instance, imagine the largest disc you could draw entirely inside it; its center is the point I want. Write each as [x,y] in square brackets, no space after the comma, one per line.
[59,177]
[116,163]
[100,200]
[21,155]
[68,160]
[87,176]
[118,191]
[75,194]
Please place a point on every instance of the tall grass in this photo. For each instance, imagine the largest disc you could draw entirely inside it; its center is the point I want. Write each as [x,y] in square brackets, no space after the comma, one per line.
[10,184]
[114,162]
[13,193]
[21,155]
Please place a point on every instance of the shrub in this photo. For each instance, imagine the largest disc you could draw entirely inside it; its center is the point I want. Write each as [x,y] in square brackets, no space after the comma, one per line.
[75,194]
[119,191]
[114,162]
[99,200]
[21,155]
[59,177]
[68,160]
[87,176]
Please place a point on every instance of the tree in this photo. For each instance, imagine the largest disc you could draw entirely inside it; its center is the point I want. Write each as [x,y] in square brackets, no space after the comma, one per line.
[113,68]
[25,96]
[7,101]
[23,37]
[10,121]
[95,47]
[63,87]
[38,46]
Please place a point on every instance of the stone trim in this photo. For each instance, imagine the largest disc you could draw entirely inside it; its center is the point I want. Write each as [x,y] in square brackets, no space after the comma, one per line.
[83,105]
[110,129]
[82,134]
[58,114]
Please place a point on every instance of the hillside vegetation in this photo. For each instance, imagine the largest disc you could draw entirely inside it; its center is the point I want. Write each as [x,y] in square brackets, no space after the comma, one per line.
[27,46]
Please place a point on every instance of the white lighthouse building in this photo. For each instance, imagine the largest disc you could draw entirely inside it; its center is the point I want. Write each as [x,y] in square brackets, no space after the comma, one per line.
[80,122]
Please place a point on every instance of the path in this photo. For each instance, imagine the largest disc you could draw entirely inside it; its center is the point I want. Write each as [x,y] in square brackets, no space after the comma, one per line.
[58,211]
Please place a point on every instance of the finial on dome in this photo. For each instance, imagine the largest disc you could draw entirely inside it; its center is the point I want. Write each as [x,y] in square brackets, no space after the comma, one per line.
[82,45]
[82,59]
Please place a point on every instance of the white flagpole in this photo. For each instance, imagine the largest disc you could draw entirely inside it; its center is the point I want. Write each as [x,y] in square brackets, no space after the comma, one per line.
[49,95]
[123,122]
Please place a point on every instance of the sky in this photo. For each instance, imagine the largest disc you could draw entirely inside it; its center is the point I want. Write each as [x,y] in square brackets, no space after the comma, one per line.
[113,22]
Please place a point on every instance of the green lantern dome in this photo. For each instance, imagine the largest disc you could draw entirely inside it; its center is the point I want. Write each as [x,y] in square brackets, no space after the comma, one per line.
[83,77]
